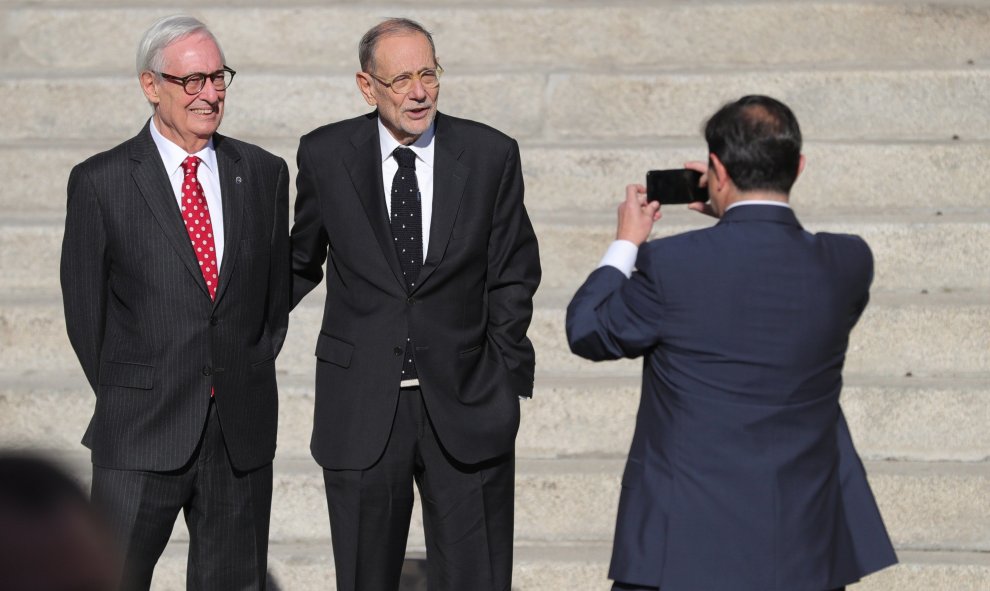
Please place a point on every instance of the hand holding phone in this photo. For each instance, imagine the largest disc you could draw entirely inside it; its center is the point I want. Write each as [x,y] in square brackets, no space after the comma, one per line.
[679,185]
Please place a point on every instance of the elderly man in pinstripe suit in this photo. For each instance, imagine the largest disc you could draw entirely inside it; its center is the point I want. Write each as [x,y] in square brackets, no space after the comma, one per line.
[175,281]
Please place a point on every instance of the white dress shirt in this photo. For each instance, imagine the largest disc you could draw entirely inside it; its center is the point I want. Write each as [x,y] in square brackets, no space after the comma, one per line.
[208,175]
[621,254]
[423,148]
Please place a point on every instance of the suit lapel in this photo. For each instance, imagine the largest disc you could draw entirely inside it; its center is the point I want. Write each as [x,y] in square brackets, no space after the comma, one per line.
[152,181]
[365,167]
[449,179]
[233,181]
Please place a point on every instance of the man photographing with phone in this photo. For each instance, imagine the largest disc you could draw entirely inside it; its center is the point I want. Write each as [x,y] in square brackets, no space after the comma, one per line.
[741,474]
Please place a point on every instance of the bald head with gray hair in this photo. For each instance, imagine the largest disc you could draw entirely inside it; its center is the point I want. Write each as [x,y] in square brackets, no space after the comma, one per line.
[388,28]
[164,32]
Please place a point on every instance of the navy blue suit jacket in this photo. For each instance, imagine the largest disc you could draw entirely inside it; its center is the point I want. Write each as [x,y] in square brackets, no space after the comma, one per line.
[741,474]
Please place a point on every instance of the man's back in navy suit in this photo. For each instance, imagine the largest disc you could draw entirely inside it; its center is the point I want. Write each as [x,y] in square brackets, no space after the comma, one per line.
[741,474]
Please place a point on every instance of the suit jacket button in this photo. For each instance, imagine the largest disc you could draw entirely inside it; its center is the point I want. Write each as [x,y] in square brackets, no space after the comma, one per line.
[397,352]
[206,370]
[410,301]
[214,321]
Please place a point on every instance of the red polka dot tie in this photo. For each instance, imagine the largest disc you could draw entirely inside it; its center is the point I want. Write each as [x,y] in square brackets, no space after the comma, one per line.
[196,215]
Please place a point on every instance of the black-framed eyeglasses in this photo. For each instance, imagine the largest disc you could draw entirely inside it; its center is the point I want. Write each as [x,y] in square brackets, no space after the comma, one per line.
[403,83]
[194,83]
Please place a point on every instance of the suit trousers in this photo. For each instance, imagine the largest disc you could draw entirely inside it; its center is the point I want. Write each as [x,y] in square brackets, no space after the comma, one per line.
[227,513]
[467,512]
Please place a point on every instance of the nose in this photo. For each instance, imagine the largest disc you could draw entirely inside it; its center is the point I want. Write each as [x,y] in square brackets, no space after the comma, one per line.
[209,92]
[417,92]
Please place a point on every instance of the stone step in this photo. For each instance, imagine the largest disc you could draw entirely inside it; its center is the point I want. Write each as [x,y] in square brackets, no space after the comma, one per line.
[666,35]
[581,567]
[926,505]
[848,177]
[872,104]
[886,341]
[567,177]
[867,104]
[918,251]
[916,419]
[924,251]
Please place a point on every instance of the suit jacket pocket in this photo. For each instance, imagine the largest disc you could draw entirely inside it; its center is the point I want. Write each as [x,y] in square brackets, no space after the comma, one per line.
[262,363]
[127,375]
[471,350]
[333,350]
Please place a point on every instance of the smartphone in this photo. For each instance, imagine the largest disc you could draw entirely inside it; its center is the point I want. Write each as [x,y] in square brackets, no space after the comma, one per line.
[678,185]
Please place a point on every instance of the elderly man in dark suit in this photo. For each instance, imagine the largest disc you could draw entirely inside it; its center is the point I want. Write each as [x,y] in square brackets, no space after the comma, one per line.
[423,354]
[176,284]
[741,475]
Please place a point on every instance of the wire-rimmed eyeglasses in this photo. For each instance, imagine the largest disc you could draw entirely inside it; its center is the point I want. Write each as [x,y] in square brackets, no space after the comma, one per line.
[403,83]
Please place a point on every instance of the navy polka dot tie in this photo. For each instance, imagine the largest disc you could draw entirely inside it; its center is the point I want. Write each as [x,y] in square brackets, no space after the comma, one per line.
[407,233]
[407,217]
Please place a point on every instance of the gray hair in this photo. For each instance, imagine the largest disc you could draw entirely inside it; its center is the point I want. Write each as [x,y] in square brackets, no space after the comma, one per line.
[387,28]
[164,32]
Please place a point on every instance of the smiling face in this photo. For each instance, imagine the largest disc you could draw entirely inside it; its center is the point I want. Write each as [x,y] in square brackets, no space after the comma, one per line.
[187,120]
[406,116]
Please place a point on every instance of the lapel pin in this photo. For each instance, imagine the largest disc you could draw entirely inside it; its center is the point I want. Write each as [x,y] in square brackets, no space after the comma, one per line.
[237,180]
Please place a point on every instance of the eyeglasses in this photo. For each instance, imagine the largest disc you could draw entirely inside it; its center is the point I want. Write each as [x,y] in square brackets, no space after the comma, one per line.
[194,83]
[403,83]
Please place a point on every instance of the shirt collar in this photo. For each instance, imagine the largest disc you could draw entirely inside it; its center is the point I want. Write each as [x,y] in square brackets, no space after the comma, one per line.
[172,155]
[759,202]
[423,146]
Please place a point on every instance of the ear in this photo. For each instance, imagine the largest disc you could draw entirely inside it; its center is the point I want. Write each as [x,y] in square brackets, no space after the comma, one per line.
[364,84]
[801,163]
[717,169]
[150,87]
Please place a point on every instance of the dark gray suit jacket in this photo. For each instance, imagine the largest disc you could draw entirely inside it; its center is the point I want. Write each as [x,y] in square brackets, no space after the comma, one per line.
[139,316]
[468,314]
[741,474]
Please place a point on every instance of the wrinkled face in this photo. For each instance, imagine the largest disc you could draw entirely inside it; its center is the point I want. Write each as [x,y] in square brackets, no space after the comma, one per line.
[408,115]
[187,120]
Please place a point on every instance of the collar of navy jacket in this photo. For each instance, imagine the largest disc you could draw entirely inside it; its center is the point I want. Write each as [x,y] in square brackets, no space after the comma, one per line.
[760,213]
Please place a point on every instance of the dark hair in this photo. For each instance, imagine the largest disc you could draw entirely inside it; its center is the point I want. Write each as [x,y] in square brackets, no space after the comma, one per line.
[34,485]
[758,140]
[386,28]
[50,537]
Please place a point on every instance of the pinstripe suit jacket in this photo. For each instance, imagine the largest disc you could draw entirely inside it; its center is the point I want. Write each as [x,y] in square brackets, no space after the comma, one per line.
[151,341]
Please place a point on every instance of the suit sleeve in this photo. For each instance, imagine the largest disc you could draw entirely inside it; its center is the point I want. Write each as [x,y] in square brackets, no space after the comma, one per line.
[84,273]
[612,317]
[513,276]
[280,274]
[865,279]
[309,239]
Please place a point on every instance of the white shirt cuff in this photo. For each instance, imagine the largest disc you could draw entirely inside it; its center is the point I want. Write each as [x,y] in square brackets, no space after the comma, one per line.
[621,254]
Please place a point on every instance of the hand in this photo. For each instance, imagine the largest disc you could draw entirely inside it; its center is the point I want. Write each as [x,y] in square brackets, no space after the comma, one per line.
[698,206]
[636,215]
